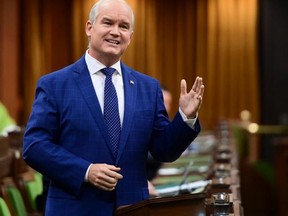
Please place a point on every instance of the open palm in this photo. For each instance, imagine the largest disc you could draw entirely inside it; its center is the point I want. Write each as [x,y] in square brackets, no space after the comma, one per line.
[191,101]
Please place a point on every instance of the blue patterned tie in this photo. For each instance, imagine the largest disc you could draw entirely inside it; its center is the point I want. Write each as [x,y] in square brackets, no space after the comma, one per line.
[111,110]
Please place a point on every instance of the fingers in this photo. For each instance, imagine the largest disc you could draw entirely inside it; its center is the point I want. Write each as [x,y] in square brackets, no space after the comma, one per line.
[197,84]
[201,92]
[104,176]
[106,184]
[183,87]
[194,87]
[197,87]
[152,190]
[113,172]
[196,90]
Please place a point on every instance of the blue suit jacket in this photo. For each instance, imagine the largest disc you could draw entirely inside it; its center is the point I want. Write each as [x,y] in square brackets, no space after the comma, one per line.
[66,133]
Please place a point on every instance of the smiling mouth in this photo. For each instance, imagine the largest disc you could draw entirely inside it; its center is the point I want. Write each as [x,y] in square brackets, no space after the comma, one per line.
[113,41]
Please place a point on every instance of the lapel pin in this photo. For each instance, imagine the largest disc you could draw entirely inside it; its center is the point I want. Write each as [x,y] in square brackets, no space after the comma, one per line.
[131,82]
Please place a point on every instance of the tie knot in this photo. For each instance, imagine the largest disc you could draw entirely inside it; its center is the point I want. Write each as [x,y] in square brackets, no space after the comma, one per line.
[108,71]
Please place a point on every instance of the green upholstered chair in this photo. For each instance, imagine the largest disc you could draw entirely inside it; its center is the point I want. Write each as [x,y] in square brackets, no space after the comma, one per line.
[13,197]
[33,189]
[17,201]
[4,210]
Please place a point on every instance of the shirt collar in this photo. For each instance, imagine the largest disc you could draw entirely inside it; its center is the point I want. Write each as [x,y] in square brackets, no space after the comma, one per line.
[95,66]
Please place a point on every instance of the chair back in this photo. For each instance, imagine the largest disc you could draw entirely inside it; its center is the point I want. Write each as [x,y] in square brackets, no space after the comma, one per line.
[30,185]
[6,164]
[16,138]
[12,196]
[4,146]
[4,210]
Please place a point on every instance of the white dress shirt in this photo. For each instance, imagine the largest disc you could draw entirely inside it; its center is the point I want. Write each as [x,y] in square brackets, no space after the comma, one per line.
[98,80]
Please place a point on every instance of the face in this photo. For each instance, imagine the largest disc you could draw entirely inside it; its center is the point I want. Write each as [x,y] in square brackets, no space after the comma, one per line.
[111,33]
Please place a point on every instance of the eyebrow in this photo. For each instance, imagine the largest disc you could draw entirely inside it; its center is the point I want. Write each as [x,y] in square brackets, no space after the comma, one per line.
[111,20]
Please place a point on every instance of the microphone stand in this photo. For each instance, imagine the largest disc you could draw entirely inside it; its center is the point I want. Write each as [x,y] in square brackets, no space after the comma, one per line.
[184,179]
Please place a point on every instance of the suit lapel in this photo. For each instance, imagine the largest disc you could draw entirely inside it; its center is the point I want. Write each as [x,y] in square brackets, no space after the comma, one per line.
[84,82]
[130,92]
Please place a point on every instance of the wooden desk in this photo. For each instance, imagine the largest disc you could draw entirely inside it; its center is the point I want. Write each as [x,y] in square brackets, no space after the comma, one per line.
[180,205]
[191,167]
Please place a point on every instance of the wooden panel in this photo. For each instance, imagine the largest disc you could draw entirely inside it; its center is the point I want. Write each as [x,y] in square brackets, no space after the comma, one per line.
[9,58]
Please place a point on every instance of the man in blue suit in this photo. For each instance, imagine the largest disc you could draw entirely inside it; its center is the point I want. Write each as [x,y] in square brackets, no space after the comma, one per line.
[67,138]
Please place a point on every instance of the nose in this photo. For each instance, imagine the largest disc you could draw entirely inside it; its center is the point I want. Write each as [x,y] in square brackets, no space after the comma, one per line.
[115,30]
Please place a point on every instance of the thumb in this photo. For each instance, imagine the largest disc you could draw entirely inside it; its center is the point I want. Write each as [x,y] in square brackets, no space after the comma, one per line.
[183,87]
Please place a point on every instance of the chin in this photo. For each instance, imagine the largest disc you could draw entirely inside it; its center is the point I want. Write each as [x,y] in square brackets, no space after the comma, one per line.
[113,53]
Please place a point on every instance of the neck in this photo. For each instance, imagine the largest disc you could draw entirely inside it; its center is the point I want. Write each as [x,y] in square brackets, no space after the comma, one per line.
[107,59]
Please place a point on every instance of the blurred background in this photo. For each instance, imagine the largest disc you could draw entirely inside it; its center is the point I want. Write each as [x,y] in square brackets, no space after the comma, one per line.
[239,47]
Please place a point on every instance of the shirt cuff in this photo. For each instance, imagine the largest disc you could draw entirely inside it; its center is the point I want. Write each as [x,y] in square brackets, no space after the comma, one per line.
[86,174]
[189,122]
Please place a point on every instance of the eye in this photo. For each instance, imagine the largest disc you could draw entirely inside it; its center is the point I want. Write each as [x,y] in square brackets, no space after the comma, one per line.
[107,23]
[124,26]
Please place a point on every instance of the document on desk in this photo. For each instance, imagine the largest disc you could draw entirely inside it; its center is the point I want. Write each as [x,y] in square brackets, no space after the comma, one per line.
[192,187]
[178,171]
[170,171]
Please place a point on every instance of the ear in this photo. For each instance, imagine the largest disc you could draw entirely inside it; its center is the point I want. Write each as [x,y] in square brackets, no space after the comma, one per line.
[89,26]
[131,37]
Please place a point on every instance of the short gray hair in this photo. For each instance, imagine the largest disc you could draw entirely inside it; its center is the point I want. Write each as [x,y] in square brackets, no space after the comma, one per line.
[94,11]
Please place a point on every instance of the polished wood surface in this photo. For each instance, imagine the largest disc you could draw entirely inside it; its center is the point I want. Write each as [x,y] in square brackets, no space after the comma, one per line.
[180,205]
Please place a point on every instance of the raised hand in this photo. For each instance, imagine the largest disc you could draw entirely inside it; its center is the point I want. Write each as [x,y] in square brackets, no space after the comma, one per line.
[190,102]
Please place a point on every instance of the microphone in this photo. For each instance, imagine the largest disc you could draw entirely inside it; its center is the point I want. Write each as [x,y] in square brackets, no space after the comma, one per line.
[183,187]
[185,190]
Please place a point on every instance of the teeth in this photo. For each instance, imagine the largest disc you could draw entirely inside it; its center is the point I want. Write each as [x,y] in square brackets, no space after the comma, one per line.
[113,41]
